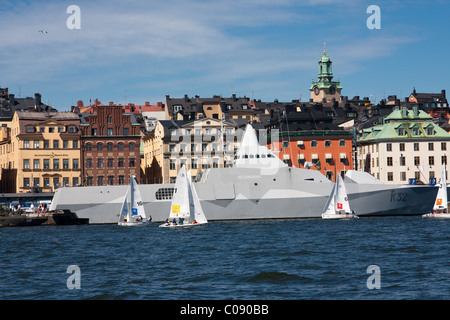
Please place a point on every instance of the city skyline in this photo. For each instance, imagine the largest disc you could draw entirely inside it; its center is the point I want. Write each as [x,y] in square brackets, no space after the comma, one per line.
[135,52]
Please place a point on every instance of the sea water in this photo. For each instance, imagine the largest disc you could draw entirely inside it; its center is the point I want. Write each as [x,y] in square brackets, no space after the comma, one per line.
[366,258]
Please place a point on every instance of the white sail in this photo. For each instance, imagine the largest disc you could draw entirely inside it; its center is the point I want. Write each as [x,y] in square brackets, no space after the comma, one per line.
[124,212]
[342,203]
[441,198]
[330,205]
[197,213]
[137,206]
[179,207]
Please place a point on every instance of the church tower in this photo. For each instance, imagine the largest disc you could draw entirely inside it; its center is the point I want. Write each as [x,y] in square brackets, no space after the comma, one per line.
[325,89]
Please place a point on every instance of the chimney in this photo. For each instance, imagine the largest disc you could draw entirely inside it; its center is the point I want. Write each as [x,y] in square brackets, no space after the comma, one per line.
[147,104]
[111,103]
[80,104]
[37,98]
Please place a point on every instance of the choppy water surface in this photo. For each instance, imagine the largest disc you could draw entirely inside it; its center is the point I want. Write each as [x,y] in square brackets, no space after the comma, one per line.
[273,259]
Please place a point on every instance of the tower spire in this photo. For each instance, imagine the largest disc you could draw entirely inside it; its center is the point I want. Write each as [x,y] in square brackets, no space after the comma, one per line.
[324,49]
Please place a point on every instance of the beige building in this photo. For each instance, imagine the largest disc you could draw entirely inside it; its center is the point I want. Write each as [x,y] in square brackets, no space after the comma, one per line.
[40,150]
[195,144]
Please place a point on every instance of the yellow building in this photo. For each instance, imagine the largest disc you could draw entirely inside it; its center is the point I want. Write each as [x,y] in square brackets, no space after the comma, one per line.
[40,150]
[195,144]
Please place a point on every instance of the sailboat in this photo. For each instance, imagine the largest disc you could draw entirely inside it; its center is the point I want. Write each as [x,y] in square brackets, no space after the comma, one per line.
[132,213]
[185,209]
[338,206]
[440,208]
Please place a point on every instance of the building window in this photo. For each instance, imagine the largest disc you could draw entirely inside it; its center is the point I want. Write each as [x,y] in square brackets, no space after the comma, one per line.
[36,164]
[47,182]
[88,162]
[131,146]
[341,143]
[65,163]
[72,129]
[55,163]
[99,146]
[120,163]
[26,144]
[388,146]
[46,163]
[110,180]
[75,181]
[26,163]
[109,119]
[36,144]
[109,146]
[75,164]
[65,144]
[402,176]
[121,180]
[100,163]
[430,131]
[29,129]
[417,161]
[390,176]
[65,181]
[36,182]
[100,180]
[55,144]
[430,146]
[46,144]
[431,160]
[120,146]
[444,160]
[88,147]
[402,161]
[51,129]
[416,146]
[75,144]
[125,131]
[285,144]
[42,129]
[110,162]
[402,147]
[94,132]
[26,182]
[110,132]
[89,180]
[327,143]
[444,146]
[389,161]
[172,164]
[194,163]
[56,182]
[313,143]
[132,162]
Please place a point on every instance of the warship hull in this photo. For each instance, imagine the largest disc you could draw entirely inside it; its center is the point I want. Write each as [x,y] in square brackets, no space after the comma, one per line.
[246,193]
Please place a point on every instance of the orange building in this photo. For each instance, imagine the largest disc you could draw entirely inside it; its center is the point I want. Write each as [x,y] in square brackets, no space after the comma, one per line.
[329,152]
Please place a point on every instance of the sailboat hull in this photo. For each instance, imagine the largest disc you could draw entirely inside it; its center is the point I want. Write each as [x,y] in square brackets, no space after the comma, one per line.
[133,224]
[339,216]
[437,215]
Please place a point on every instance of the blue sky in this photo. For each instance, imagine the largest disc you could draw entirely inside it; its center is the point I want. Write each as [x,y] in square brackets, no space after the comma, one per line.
[137,51]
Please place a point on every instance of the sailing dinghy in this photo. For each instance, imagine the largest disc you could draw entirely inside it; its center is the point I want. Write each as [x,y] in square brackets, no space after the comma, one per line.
[338,206]
[132,213]
[440,208]
[185,209]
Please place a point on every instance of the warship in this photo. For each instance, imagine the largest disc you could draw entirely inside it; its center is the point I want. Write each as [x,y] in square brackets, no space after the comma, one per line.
[258,185]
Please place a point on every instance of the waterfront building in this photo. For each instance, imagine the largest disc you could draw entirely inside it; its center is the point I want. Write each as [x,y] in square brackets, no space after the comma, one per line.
[110,146]
[40,152]
[309,139]
[408,147]
[194,143]
[189,108]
